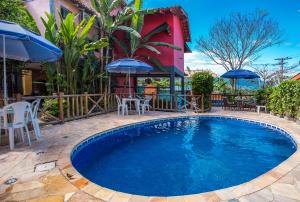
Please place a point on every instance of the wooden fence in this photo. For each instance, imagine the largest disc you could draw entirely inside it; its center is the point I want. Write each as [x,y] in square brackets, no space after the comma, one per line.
[60,108]
[216,99]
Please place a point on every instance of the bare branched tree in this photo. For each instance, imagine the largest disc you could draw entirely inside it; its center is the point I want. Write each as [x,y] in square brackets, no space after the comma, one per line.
[236,41]
[271,76]
[266,74]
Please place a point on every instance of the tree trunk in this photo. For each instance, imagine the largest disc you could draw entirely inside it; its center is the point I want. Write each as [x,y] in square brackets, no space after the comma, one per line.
[101,65]
[106,73]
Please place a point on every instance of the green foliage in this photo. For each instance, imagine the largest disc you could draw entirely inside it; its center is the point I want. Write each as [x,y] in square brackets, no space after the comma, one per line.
[220,85]
[15,11]
[202,83]
[73,40]
[137,42]
[285,98]
[261,96]
[51,106]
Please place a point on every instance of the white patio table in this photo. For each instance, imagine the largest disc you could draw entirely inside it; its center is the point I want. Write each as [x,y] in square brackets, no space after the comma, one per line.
[136,102]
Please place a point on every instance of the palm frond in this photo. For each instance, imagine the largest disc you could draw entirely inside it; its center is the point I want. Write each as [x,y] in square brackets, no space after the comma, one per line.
[165,45]
[101,43]
[129,30]
[138,4]
[159,29]
[156,62]
[87,27]
[121,44]
[115,4]
[151,48]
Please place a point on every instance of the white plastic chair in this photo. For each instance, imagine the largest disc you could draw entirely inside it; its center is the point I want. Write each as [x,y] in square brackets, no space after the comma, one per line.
[146,104]
[34,120]
[21,112]
[121,106]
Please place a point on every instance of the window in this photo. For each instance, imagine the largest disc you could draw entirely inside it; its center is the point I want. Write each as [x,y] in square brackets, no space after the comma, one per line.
[64,12]
[83,15]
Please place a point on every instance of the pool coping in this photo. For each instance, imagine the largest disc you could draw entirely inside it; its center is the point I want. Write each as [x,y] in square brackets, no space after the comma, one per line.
[73,176]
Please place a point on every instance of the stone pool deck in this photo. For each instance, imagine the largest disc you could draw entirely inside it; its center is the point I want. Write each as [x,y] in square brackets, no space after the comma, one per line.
[63,183]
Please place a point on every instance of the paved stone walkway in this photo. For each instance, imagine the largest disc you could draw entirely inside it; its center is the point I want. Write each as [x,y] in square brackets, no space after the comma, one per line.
[281,184]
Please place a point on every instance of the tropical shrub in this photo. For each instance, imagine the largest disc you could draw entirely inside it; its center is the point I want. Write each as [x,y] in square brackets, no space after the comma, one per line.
[52,107]
[15,11]
[203,84]
[285,99]
[220,85]
[262,95]
[74,41]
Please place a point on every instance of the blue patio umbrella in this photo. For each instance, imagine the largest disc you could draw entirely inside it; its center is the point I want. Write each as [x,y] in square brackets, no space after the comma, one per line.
[18,43]
[240,74]
[128,66]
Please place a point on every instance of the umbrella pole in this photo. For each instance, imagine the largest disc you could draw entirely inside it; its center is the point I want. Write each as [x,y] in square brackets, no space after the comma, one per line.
[129,84]
[4,73]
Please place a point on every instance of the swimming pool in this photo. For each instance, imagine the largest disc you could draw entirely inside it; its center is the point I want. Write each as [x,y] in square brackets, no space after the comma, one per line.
[181,156]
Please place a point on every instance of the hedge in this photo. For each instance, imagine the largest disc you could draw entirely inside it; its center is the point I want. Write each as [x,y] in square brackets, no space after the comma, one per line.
[285,99]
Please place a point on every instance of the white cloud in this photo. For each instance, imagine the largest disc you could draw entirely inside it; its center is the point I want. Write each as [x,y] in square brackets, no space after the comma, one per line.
[197,60]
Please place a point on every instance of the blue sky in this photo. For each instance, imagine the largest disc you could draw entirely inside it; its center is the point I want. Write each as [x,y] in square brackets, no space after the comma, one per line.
[203,13]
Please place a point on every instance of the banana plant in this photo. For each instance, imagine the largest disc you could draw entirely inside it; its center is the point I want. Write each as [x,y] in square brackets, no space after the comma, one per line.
[112,16]
[145,42]
[54,80]
[75,45]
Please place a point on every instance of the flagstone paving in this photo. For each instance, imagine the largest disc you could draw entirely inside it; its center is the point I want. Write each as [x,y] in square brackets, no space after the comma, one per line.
[63,183]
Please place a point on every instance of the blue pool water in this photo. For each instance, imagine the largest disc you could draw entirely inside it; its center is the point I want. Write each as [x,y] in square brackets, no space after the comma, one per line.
[181,156]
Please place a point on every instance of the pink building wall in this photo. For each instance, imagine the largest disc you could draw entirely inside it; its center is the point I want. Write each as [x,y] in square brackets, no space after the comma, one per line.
[178,41]
[169,57]
[37,9]
[151,22]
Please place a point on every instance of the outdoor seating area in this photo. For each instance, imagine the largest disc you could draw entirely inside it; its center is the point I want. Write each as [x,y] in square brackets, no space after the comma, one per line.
[239,103]
[17,117]
[141,105]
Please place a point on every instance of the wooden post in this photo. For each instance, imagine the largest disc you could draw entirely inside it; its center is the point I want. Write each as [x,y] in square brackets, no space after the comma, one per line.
[153,101]
[81,105]
[68,107]
[176,102]
[202,103]
[86,104]
[61,106]
[105,102]
[77,106]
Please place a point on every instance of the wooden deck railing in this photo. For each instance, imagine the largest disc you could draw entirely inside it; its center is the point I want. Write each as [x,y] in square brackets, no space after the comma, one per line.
[217,98]
[60,108]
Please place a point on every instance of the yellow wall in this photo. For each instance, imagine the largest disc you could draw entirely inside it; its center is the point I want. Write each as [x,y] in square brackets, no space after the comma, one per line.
[27,82]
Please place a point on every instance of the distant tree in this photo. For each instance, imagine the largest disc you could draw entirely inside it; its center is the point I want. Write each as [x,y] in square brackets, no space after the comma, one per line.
[236,41]
[266,74]
[15,11]
[272,76]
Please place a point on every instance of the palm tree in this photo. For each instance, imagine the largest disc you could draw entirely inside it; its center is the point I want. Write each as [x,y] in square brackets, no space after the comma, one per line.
[112,16]
[73,39]
[54,81]
[137,43]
